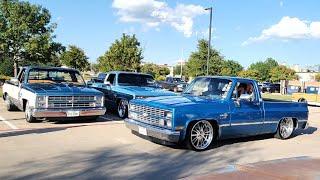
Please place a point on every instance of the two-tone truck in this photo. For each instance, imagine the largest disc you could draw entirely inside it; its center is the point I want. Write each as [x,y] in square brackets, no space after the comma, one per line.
[49,92]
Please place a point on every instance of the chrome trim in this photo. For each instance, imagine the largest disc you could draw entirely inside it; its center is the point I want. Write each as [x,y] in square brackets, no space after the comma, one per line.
[47,113]
[153,131]
[149,115]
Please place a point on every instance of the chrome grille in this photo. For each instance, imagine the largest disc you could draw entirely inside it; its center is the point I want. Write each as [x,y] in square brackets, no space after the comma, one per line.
[148,114]
[71,101]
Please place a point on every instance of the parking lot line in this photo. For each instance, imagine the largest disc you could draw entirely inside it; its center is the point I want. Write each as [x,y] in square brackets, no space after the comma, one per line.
[12,126]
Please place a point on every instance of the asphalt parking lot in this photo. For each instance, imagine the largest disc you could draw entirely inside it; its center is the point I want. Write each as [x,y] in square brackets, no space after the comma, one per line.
[107,149]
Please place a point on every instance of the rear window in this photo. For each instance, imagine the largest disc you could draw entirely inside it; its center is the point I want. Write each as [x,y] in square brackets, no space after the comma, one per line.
[135,79]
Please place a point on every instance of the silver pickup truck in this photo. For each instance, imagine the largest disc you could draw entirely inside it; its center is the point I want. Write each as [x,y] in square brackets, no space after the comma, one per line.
[52,93]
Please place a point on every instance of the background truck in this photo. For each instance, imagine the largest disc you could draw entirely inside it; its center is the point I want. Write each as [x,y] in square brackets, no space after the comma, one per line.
[311,96]
[214,108]
[47,92]
[173,84]
[120,87]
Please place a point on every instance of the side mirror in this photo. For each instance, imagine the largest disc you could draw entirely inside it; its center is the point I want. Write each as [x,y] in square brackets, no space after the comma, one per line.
[14,81]
[106,86]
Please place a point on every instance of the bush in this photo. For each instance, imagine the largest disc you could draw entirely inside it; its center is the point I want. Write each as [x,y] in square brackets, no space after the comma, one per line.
[6,67]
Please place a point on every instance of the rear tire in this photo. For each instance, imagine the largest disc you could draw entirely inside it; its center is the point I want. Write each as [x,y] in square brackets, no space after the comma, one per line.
[9,105]
[302,100]
[28,114]
[200,135]
[285,128]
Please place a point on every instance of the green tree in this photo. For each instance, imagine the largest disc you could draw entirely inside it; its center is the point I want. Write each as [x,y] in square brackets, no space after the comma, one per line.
[177,70]
[197,63]
[231,68]
[124,54]
[317,77]
[6,67]
[264,68]
[282,73]
[76,58]
[26,34]
[252,74]
[158,72]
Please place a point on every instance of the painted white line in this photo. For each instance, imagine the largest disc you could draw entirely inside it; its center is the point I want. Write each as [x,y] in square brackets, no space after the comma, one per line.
[12,126]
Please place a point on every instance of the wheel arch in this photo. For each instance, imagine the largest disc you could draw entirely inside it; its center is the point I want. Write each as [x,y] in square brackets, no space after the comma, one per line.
[295,122]
[213,122]
[24,104]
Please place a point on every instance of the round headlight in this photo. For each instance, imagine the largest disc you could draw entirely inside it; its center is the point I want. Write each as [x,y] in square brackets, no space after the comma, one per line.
[169,123]
[168,115]
[161,122]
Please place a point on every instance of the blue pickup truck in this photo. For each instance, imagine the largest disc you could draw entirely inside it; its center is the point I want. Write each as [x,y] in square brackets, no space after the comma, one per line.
[120,87]
[214,108]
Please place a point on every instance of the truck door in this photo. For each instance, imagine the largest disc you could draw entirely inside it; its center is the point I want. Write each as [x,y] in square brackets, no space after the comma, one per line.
[16,89]
[109,94]
[245,109]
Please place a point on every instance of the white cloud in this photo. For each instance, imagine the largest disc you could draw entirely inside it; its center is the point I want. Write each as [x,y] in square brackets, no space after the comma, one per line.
[153,13]
[288,28]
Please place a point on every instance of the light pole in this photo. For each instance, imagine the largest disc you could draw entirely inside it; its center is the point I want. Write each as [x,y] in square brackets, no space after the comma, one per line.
[209,42]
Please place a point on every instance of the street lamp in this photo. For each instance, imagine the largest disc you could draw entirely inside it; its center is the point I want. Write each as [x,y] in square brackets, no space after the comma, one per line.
[209,42]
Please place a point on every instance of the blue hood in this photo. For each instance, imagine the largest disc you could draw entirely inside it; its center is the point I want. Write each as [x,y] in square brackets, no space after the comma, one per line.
[61,89]
[142,91]
[169,102]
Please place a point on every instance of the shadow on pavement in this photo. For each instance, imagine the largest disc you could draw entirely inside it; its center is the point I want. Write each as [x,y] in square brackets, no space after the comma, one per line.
[117,162]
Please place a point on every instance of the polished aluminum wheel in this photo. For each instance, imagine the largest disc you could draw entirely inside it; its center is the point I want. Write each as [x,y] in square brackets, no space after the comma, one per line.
[201,135]
[122,108]
[286,127]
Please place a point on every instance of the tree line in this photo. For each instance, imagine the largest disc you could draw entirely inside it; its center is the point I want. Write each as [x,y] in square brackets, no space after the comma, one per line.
[27,38]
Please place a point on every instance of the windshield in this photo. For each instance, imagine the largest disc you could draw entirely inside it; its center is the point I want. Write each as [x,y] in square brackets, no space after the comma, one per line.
[55,76]
[209,87]
[135,80]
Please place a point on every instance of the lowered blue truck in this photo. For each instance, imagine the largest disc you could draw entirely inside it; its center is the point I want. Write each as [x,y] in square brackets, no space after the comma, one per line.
[214,108]
[120,87]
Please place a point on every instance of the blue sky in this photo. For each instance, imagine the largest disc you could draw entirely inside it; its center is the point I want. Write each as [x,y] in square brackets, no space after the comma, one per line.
[243,30]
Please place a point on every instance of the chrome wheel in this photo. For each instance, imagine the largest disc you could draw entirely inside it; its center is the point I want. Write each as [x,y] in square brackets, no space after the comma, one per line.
[28,114]
[201,135]
[123,108]
[286,128]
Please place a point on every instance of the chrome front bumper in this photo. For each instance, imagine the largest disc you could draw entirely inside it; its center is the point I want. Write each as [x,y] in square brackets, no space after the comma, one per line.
[153,131]
[47,113]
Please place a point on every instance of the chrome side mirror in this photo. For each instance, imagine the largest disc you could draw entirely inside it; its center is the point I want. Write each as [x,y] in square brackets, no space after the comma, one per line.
[14,81]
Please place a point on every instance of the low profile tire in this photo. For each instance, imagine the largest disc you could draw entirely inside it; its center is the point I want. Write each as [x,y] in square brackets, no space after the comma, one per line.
[9,105]
[285,129]
[200,135]
[28,114]
[122,108]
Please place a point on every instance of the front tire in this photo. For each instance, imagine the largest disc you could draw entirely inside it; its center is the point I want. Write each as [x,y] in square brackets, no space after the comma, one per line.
[122,108]
[28,114]
[285,129]
[200,135]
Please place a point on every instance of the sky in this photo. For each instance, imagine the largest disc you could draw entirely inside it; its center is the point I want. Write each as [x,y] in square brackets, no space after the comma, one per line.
[246,31]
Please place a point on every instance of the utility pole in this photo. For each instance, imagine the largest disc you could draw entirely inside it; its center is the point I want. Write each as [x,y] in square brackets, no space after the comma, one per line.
[209,42]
